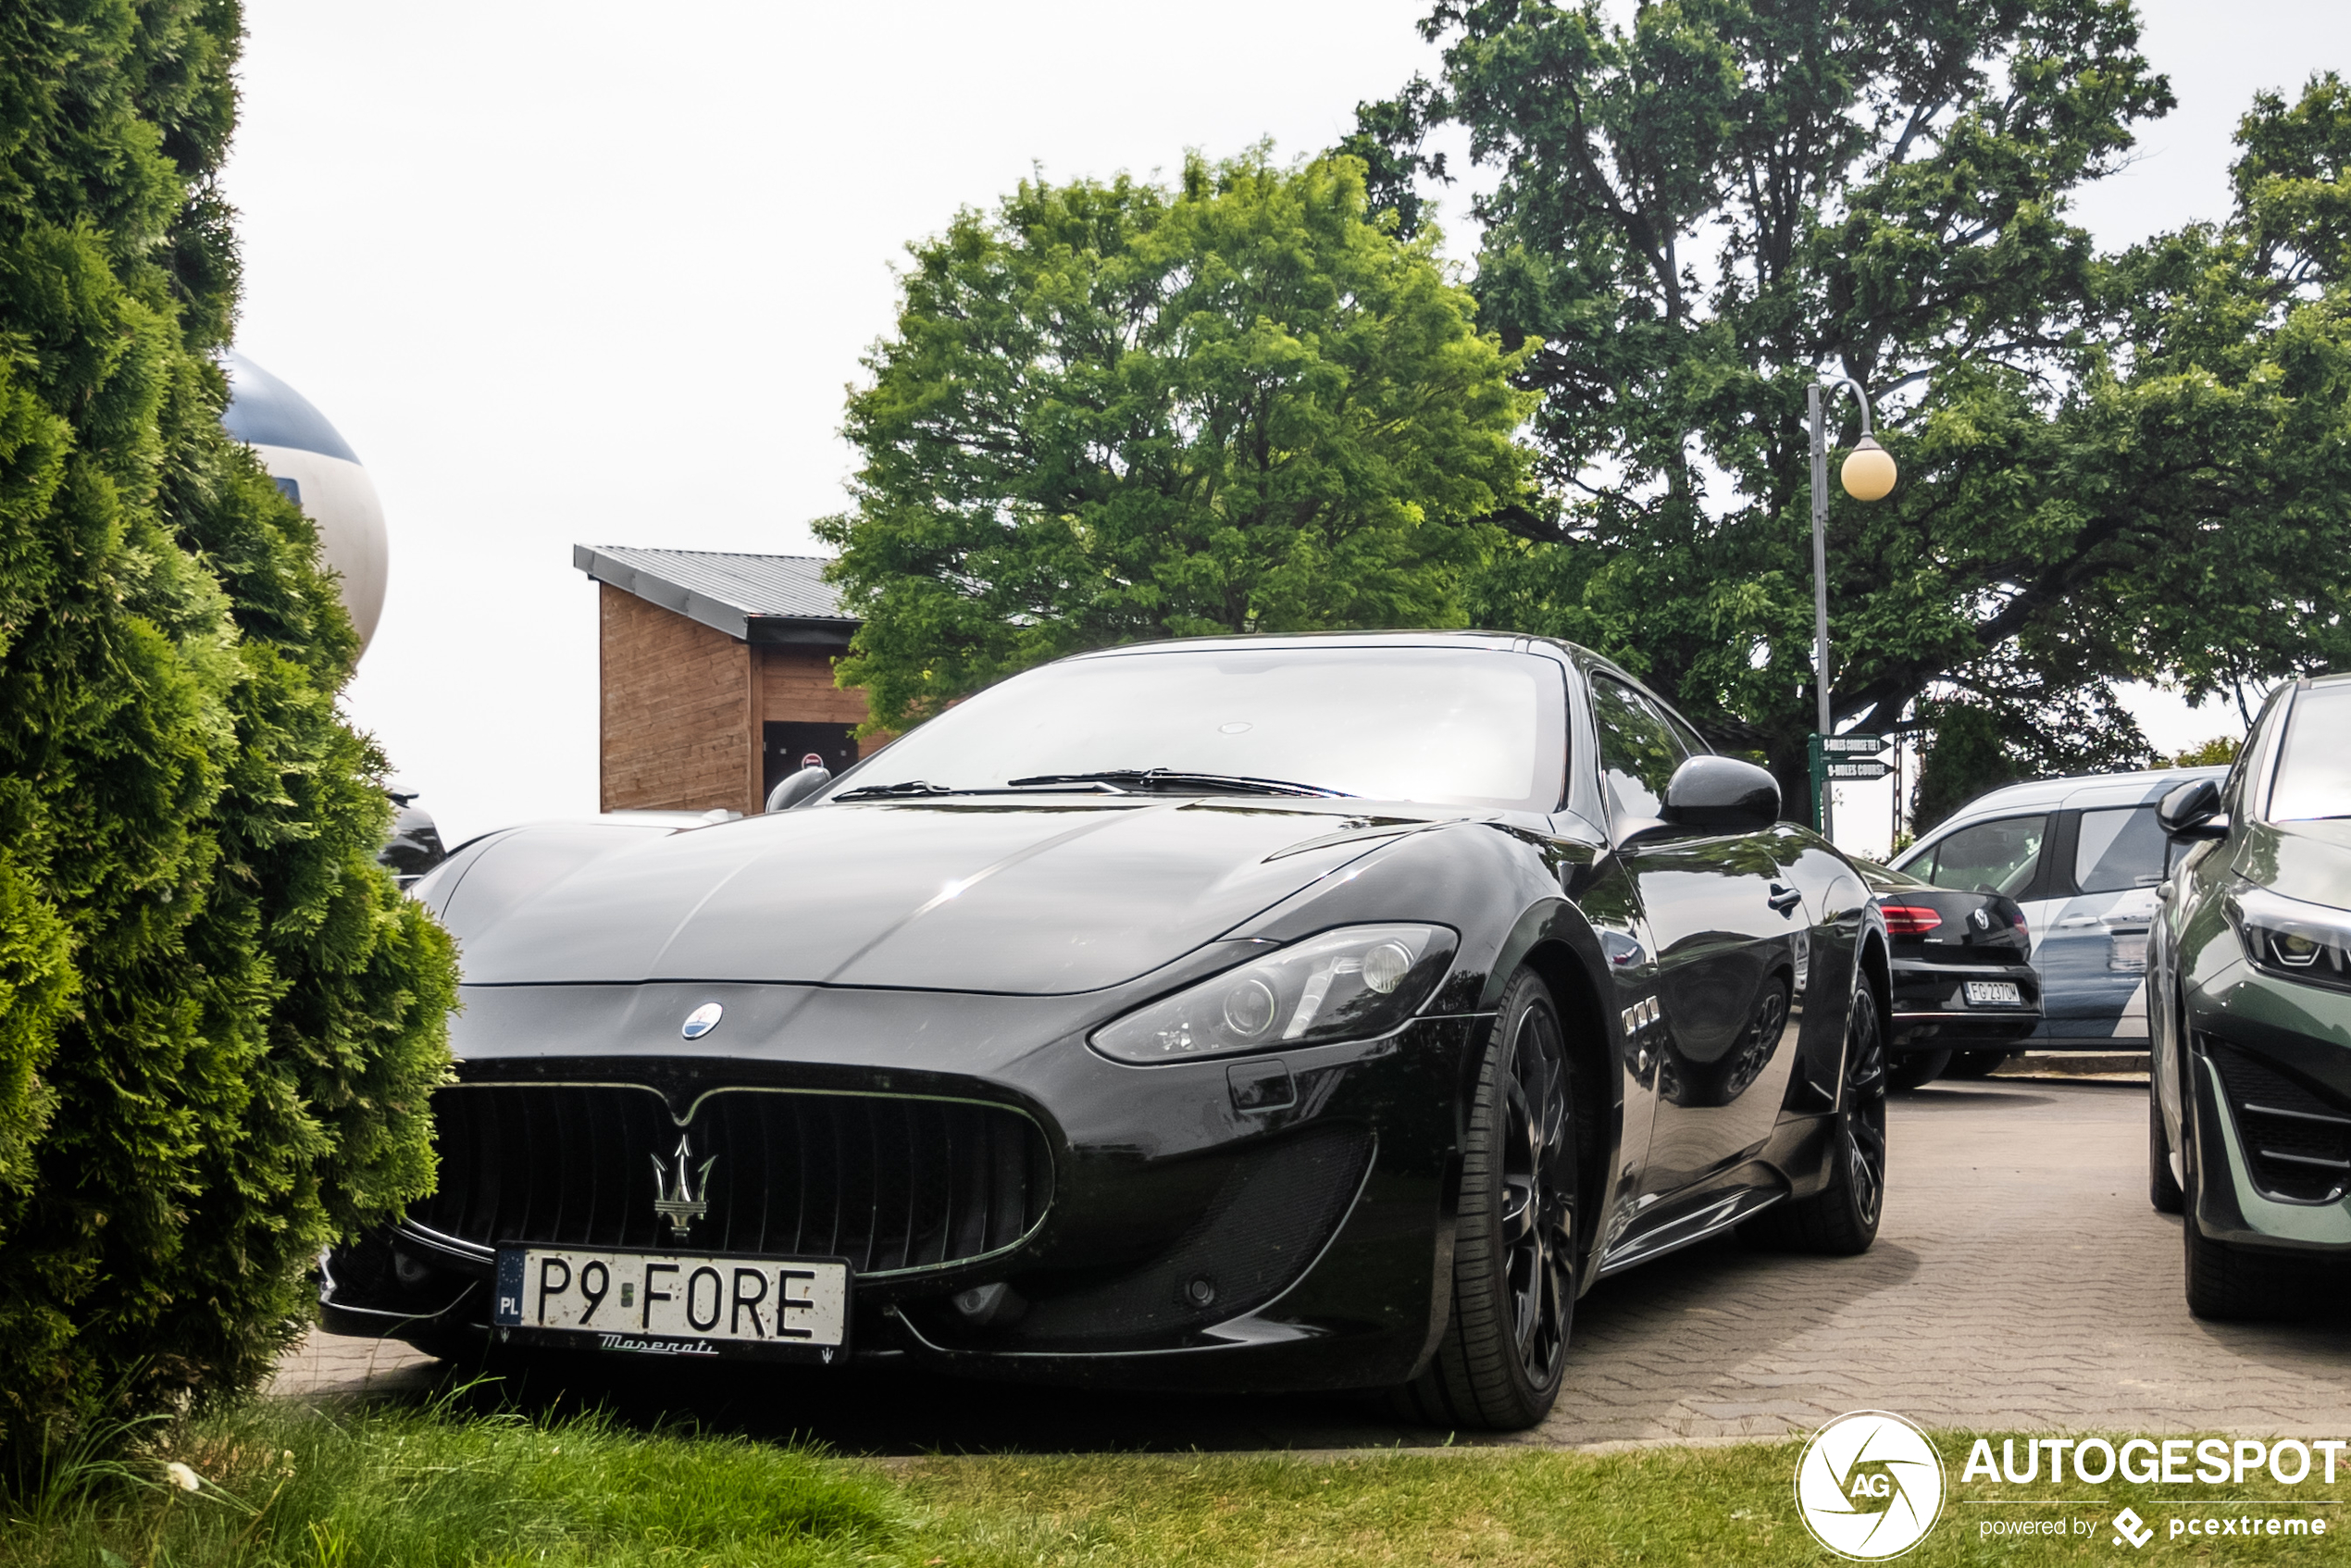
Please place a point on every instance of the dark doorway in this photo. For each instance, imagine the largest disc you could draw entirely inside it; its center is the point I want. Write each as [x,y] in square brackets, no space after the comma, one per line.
[783,745]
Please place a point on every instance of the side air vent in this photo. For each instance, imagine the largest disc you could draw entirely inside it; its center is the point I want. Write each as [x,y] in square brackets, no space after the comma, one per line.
[2297,1140]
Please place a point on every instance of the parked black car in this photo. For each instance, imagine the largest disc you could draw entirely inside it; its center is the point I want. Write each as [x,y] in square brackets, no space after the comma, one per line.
[1263,1013]
[1965,990]
[415,846]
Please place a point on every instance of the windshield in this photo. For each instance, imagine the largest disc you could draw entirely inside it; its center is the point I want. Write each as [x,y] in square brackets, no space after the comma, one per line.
[1990,857]
[2314,768]
[1448,726]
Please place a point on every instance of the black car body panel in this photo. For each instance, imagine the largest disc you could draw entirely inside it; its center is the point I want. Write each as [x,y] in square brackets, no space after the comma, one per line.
[1065,895]
[911,989]
[1961,937]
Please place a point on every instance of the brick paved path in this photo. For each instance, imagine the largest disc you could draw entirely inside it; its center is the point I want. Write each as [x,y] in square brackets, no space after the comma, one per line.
[2020,1281]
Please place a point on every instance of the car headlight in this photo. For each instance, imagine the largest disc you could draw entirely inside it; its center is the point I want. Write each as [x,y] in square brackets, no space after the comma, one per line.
[2288,937]
[1351,984]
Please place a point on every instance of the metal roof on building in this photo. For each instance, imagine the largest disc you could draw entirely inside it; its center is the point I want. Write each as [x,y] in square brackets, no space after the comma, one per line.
[756,598]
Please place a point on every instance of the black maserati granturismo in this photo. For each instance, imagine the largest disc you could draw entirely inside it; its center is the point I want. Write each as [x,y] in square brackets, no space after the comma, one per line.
[1273,1012]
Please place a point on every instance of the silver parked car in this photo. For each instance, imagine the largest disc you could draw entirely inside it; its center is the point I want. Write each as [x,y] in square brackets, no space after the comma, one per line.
[2084,856]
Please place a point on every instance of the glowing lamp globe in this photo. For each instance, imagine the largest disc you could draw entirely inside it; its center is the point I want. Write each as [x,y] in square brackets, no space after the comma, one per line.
[1869,472]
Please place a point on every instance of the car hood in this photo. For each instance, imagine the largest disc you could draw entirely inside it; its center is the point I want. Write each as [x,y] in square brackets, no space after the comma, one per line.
[2311,861]
[1027,898]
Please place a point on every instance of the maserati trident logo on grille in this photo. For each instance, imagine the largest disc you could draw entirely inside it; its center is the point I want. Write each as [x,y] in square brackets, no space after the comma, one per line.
[683,1196]
[702,1020]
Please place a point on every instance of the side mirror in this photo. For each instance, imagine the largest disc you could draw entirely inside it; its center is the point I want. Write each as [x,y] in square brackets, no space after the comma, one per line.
[2192,811]
[798,787]
[1721,792]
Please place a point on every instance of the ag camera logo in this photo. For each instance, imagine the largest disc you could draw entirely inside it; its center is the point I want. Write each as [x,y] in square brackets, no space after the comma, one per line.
[1869,1485]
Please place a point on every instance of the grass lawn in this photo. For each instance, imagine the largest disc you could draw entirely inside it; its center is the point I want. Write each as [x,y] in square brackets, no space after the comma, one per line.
[283,1485]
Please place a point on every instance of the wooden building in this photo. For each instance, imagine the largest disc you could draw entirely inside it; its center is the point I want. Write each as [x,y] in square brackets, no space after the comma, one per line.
[715,676]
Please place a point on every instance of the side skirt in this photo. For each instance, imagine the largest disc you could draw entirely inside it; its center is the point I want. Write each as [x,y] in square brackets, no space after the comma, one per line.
[1719,1211]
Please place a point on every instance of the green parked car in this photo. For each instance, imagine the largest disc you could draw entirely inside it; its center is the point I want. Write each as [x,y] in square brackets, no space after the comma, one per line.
[2250,1014]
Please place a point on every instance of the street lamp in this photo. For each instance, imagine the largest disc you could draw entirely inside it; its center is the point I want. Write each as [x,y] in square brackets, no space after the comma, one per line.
[1868,472]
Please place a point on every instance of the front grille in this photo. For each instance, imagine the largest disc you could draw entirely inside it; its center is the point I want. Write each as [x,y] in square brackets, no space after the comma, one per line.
[892,1183]
[2297,1142]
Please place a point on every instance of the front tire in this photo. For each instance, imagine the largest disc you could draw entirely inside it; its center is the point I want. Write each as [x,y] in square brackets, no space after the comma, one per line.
[2228,1283]
[2163,1190]
[2231,1284]
[1916,1069]
[1514,1246]
[1842,1218]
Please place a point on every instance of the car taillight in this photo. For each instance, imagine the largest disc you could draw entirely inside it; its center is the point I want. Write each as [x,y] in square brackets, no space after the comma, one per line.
[1911,919]
[2022,928]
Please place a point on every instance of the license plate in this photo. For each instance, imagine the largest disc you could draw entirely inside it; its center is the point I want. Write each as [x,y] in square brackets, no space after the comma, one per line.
[1994,993]
[674,1304]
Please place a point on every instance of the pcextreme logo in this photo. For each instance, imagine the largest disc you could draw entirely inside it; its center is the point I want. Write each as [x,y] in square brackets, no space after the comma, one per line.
[1869,1485]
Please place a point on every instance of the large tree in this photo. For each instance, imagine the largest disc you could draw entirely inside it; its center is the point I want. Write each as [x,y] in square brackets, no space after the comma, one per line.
[219,1022]
[2115,467]
[1114,411]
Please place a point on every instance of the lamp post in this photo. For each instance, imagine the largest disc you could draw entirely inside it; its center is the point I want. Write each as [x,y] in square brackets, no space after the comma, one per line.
[1868,472]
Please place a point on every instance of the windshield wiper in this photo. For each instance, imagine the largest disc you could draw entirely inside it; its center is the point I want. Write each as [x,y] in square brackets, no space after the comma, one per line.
[899,790]
[1166,778]
[923,789]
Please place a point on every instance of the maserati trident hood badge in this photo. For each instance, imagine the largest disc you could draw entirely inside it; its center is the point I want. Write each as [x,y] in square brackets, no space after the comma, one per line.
[702,1020]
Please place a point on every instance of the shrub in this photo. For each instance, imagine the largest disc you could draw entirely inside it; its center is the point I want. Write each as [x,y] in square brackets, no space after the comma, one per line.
[2219,752]
[219,1023]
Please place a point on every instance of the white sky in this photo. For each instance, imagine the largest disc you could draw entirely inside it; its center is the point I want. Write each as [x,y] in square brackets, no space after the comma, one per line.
[600,273]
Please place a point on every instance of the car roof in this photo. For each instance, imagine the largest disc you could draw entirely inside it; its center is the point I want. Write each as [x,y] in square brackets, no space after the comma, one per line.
[1502,641]
[2079,792]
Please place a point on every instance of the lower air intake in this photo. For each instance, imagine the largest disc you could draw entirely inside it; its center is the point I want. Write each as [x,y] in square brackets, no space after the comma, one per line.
[2297,1140]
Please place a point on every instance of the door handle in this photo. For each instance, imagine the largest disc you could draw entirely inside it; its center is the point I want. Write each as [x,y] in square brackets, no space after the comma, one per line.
[1783,900]
[2075,923]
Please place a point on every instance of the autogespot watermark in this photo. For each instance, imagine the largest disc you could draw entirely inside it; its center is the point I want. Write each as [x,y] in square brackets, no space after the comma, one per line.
[1870,1486]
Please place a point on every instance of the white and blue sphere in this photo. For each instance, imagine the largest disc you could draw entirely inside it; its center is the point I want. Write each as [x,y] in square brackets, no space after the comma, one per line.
[315,466]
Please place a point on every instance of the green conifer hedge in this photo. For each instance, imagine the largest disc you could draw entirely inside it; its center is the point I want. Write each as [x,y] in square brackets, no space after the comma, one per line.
[219,1023]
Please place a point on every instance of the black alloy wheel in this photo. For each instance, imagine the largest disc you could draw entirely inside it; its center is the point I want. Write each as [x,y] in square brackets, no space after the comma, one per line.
[1538,1205]
[1842,1218]
[1514,1250]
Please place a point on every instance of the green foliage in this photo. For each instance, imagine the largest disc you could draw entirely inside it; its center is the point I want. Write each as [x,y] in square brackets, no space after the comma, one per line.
[1967,753]
[2114,467]
[282,1484]
[2219,752]
[1112,411]
[390,1488]
[219,1023]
